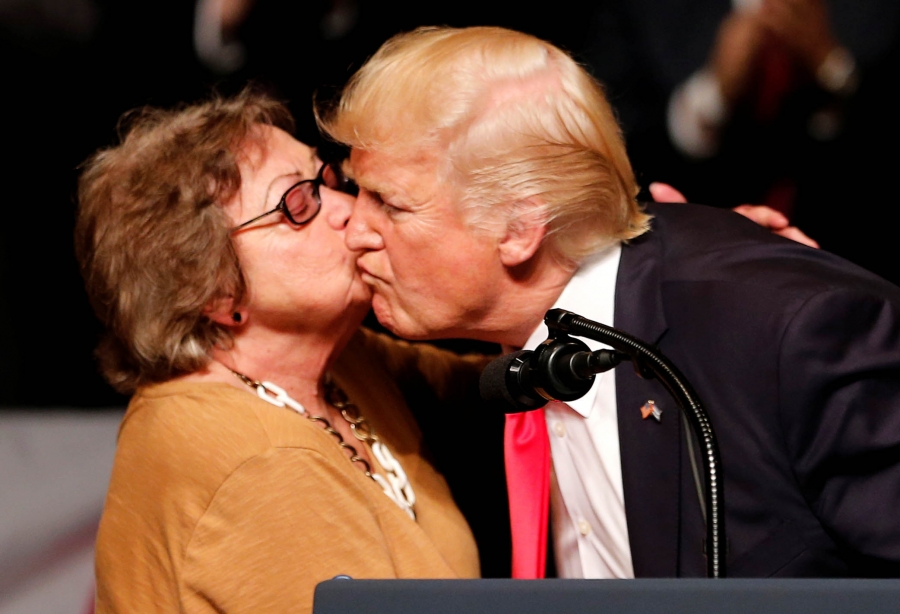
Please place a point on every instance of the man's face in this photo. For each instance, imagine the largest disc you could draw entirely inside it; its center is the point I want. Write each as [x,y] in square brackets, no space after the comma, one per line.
[432,275]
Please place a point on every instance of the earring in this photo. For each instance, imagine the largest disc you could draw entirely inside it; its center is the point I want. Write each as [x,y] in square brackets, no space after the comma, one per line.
[236,316]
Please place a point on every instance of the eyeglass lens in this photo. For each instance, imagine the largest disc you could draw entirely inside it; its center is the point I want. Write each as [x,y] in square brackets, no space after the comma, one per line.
[333,178]
[301,203]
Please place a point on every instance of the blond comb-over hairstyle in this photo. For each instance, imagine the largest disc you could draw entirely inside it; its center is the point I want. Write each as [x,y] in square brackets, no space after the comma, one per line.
[514,118]
[152,240]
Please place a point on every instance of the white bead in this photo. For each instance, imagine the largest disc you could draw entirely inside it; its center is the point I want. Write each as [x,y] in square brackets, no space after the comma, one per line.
[281,398]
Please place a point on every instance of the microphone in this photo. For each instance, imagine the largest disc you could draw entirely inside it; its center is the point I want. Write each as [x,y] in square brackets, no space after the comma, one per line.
[562,368]
[558,369]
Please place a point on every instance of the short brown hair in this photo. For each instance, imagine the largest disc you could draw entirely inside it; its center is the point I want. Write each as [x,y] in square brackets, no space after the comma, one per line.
[153,244]
[515,118]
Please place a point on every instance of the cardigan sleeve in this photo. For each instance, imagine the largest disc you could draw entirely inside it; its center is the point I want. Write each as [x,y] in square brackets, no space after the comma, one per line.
[451,376]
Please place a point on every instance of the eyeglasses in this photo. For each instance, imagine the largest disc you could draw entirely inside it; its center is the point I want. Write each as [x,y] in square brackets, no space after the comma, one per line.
[302,203]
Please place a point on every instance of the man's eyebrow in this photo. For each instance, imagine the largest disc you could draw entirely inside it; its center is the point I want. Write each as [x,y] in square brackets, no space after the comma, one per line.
[380,189]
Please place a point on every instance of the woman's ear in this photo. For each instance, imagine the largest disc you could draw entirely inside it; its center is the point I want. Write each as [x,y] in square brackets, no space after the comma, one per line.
[525,231]
[223,311]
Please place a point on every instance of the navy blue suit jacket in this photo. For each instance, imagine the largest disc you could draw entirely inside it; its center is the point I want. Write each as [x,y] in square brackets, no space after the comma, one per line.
[795,353]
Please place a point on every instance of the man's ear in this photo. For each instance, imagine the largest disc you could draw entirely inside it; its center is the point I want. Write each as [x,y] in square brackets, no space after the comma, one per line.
[525,231]
[223,311]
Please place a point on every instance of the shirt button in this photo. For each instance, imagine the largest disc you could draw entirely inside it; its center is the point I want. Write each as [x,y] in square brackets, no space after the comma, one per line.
[584,527]
[559,428]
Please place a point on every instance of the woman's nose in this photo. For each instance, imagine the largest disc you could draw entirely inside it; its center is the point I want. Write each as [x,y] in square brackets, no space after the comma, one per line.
[361,235]
[337,207]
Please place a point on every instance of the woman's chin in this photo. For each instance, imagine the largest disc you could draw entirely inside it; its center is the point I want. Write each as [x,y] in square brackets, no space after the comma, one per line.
[364,291]
[360,303]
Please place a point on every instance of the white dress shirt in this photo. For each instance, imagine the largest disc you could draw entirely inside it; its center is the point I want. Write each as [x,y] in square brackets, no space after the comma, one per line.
[587,507]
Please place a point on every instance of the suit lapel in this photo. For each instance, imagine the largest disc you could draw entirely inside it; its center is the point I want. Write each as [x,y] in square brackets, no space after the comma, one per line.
[650,450]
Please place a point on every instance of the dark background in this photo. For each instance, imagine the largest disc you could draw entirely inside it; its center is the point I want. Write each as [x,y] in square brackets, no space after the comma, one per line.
[72,67]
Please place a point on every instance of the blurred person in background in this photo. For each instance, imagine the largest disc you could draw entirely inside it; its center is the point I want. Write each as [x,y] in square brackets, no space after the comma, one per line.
[777,102]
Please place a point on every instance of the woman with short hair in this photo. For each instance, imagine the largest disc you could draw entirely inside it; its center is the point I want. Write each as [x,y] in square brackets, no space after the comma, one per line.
[269,444]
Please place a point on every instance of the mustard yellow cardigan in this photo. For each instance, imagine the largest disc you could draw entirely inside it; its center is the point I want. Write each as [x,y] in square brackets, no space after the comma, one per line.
[221,502]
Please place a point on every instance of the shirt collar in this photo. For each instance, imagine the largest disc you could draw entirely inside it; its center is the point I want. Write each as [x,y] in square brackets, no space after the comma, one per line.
[590,293]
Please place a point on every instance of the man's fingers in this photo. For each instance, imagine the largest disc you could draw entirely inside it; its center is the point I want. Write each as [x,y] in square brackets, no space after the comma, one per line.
[763,215]
[795,234]
[775,221]
[767,217]
[664,193]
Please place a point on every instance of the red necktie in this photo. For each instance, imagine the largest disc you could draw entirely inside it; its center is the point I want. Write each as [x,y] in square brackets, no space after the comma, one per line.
[527,454]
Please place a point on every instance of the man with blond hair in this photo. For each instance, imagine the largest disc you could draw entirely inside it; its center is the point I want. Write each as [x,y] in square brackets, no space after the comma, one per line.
[494,185]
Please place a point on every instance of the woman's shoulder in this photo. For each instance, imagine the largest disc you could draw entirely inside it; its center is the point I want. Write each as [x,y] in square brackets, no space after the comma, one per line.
[182,411]
[181,441]
[207,427]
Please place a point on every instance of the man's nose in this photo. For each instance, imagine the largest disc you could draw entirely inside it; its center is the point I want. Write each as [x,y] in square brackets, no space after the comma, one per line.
[361,235]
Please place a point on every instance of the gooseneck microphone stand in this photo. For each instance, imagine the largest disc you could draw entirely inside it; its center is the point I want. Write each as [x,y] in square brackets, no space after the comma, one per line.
[648,363]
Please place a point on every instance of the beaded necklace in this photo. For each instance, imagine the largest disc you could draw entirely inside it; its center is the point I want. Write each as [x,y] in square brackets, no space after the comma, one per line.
[394,483]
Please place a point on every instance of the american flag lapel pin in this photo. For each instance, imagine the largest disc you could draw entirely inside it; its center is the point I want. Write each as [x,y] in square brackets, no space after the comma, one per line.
[650,409]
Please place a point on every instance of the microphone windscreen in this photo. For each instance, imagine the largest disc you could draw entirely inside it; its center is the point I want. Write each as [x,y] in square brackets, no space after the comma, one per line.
[497,384]
[493,379]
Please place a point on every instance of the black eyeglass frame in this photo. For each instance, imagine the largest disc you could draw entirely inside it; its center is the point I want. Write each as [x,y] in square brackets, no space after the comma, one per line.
[344,184]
